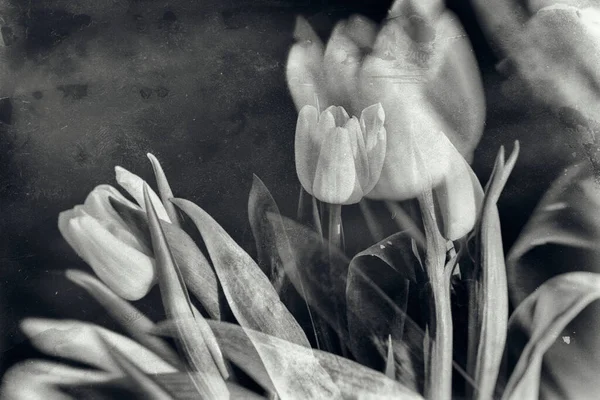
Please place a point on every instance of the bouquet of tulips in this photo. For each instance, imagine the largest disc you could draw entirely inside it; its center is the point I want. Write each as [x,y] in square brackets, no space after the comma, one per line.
[388,117]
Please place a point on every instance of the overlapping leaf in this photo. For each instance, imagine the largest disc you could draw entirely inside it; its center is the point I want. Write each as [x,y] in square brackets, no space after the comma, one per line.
[193,333]
[199,276]
[489,302]
[541,319]
[353,380]
[252,298]
[377,298]
[562,236]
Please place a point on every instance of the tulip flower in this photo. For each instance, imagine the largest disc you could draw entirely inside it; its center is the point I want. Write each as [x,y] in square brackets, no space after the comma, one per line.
[101,238]
[338,158]
[549,49]
[420,67]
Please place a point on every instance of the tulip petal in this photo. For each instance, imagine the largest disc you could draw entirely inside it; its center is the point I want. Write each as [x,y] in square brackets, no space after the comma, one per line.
[362,31]
[341,63]
[307,146]
[199,277]
[304,68]
[98,206]
[359,152]
[335,179]
[372,120]
[125,269]
[339,114]
[454,86]
[77,341]
[134,185]
[459,198]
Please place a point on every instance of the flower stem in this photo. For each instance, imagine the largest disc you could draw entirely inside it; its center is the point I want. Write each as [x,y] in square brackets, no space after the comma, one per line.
[439,376]
[335,225]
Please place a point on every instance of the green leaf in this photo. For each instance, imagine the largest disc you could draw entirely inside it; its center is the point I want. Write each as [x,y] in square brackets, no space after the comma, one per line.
[144,385]
[260,202]
[197,273]
[317,270]
[490,302]
[353,380]
[379,285]
[562,236]
[195,336]
[164,190]
[130,318]
[249,293]
[541,318]
[181,385]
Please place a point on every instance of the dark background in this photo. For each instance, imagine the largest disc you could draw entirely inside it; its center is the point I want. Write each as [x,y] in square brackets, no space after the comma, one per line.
[91,84]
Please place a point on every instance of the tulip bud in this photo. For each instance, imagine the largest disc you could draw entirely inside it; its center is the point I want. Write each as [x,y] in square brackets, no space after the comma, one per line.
[103,240]
[338,158]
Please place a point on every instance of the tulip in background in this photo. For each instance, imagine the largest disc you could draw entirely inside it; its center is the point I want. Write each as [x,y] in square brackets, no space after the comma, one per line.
[419,65]
[338,158]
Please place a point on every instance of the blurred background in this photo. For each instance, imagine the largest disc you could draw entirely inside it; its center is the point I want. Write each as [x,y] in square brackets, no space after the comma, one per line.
[86,85]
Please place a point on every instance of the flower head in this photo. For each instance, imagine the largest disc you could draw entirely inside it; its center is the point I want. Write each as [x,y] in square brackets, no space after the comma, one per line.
[419,65]
[101,238]
[338,157]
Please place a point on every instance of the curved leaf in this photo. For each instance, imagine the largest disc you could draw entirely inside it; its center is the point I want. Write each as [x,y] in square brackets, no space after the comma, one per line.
[489,302]
[563,235]
[354,381]
[129,317]
[260,202]
[249,293]
[195,336]
[141,383]
[316,269]
[379,285]
[197,273]
[541,318]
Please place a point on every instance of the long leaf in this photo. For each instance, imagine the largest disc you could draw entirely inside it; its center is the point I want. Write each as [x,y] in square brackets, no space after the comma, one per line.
[354,381]
[164,190]
[43,380]
[129,317]
[196,339]
[317,270]
[261,202]
[142,384]
[197,273]
[541,318]
[78,341]
[249,293]
[491,300]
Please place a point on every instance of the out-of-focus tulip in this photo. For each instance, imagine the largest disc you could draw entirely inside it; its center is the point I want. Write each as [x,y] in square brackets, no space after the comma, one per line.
[419,65]
[101,238]
[338,157]
[552,49]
